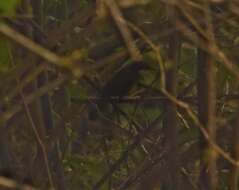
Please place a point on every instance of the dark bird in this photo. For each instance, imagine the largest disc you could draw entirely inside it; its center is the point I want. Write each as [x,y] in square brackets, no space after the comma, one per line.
[119,85]
[122,81]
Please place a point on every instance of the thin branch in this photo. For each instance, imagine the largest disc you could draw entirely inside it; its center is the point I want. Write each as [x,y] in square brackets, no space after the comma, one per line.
[137,140]
[5,116]
[34,127]
[12,184]
[125,32]
[23,83]
[193,116]
[51,57]
[39,140]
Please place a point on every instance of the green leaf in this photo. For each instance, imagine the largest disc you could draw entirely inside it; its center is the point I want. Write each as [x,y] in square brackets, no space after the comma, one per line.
[7,7]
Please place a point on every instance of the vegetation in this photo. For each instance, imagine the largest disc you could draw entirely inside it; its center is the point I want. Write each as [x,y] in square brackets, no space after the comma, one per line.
[119,94]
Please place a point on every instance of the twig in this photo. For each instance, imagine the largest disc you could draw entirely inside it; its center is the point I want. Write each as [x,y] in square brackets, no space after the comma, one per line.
[4,117]
[51,57]
[39,140]
[132,99]
[191,113]
[12,184]
[125,154]
[29,116]
[126,34]
[26,80]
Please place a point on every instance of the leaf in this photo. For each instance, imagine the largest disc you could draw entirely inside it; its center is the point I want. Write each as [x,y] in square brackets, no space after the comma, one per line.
[7,7]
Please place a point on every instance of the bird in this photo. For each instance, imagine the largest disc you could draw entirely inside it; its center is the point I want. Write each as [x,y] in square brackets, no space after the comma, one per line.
[119,85]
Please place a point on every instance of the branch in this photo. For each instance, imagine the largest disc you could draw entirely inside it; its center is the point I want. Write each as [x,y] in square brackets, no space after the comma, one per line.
[5,116]
[125,32]
[137,140]
[51,57]
[12,184]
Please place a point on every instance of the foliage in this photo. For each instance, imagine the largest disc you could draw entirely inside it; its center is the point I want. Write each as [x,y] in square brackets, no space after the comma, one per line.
[7,8]
[121,138]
